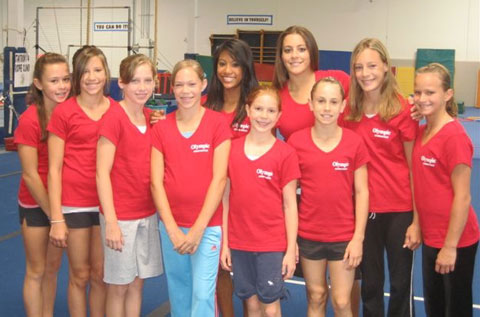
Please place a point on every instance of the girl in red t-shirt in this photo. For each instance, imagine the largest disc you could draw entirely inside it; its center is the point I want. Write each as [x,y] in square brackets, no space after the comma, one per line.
[442,165]
[260,228]
[296,71]
[51,85]
[227,92]
[334,201]
[189,167]
[377,112]
[72,145]
[128,220]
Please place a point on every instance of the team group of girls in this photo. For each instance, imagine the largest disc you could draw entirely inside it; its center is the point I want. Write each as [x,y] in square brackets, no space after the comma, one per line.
[225,187]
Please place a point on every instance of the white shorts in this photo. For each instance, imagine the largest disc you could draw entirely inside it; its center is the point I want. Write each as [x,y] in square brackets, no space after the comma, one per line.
[140,256]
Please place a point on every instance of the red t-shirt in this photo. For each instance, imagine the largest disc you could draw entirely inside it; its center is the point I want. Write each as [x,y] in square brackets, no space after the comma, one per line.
[80,133]
[130,174]
[388,173]
[432,166]
[256,220]
[238,130]
[327,211]
[189,164]
[29,133]
[296,116]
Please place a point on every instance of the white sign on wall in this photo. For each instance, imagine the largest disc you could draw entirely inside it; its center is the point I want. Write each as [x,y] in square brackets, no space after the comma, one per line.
[110,26]
[22,76]
[250,19]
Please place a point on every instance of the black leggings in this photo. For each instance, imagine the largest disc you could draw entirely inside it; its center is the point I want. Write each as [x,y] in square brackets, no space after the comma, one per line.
[448,295]
[386,232]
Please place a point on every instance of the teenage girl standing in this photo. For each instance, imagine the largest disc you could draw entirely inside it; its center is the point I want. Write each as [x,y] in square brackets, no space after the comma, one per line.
[51,85]
[128,219]
[334,201]
[189,171]
[261,230]
[73,198]
[442,163]
[296,71]
[227,93]
[381,116]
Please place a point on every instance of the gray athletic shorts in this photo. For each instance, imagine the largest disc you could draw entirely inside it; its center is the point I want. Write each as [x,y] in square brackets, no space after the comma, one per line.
[140,256]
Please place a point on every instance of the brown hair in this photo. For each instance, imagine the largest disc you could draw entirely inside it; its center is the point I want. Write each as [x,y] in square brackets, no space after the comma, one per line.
[80,63]
[186,63]
[260,90]
[281,73]
[445,78]
[390,104]
[328,80]
[129,65]
[36,95]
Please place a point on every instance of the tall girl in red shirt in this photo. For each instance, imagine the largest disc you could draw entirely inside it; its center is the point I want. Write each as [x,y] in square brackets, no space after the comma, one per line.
[227,93]
[381,116]
[189,172]
[334,201]
[442,164]
[296,71]
[72,144]
[51,85]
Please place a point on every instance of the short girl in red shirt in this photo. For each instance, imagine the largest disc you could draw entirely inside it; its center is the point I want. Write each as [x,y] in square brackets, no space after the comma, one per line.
[442,165]
[189,172]
[377,112]
[128,219]
[261,228]
[51,85]
[74,204]
[334,201]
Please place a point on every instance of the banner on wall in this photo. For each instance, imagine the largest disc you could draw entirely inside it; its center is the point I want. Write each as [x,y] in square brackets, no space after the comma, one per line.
[236,19]
[22,76]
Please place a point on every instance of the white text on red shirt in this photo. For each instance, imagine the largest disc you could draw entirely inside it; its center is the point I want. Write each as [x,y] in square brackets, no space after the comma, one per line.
[197,148]
[384,134]
[264,174]
[339,166]
[428,161]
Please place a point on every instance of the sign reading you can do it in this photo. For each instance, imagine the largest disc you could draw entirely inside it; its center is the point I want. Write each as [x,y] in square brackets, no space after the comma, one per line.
[110,26]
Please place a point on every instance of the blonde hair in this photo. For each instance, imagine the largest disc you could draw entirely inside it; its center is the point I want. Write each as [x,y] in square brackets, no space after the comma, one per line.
[129,65]
[390,104]
[188,63]
[445,78]
[328,80]
[281,73]
[263,90]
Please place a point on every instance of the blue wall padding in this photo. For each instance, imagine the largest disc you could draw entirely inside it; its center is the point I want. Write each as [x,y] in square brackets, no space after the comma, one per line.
[334,60]
[445,57]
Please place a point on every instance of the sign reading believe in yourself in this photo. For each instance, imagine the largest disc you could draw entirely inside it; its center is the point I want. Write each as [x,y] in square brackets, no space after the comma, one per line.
[110,26]
[249,19]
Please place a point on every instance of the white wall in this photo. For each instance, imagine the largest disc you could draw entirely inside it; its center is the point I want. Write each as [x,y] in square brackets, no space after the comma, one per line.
[402,25]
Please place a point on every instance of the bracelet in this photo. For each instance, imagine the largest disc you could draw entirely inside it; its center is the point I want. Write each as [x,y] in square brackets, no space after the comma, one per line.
[57,221]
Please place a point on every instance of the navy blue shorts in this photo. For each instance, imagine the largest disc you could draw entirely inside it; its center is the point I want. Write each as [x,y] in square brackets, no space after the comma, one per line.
[258,273]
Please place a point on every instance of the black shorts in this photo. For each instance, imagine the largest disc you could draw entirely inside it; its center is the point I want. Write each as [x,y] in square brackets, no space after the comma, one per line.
[315,250]
[35,217]
[78,220]
[330,251]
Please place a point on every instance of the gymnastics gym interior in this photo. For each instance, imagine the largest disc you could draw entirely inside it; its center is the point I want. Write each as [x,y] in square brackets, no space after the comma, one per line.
[415,32]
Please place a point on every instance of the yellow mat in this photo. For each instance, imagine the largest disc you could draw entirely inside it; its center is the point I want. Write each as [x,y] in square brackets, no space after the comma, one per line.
[405,77]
